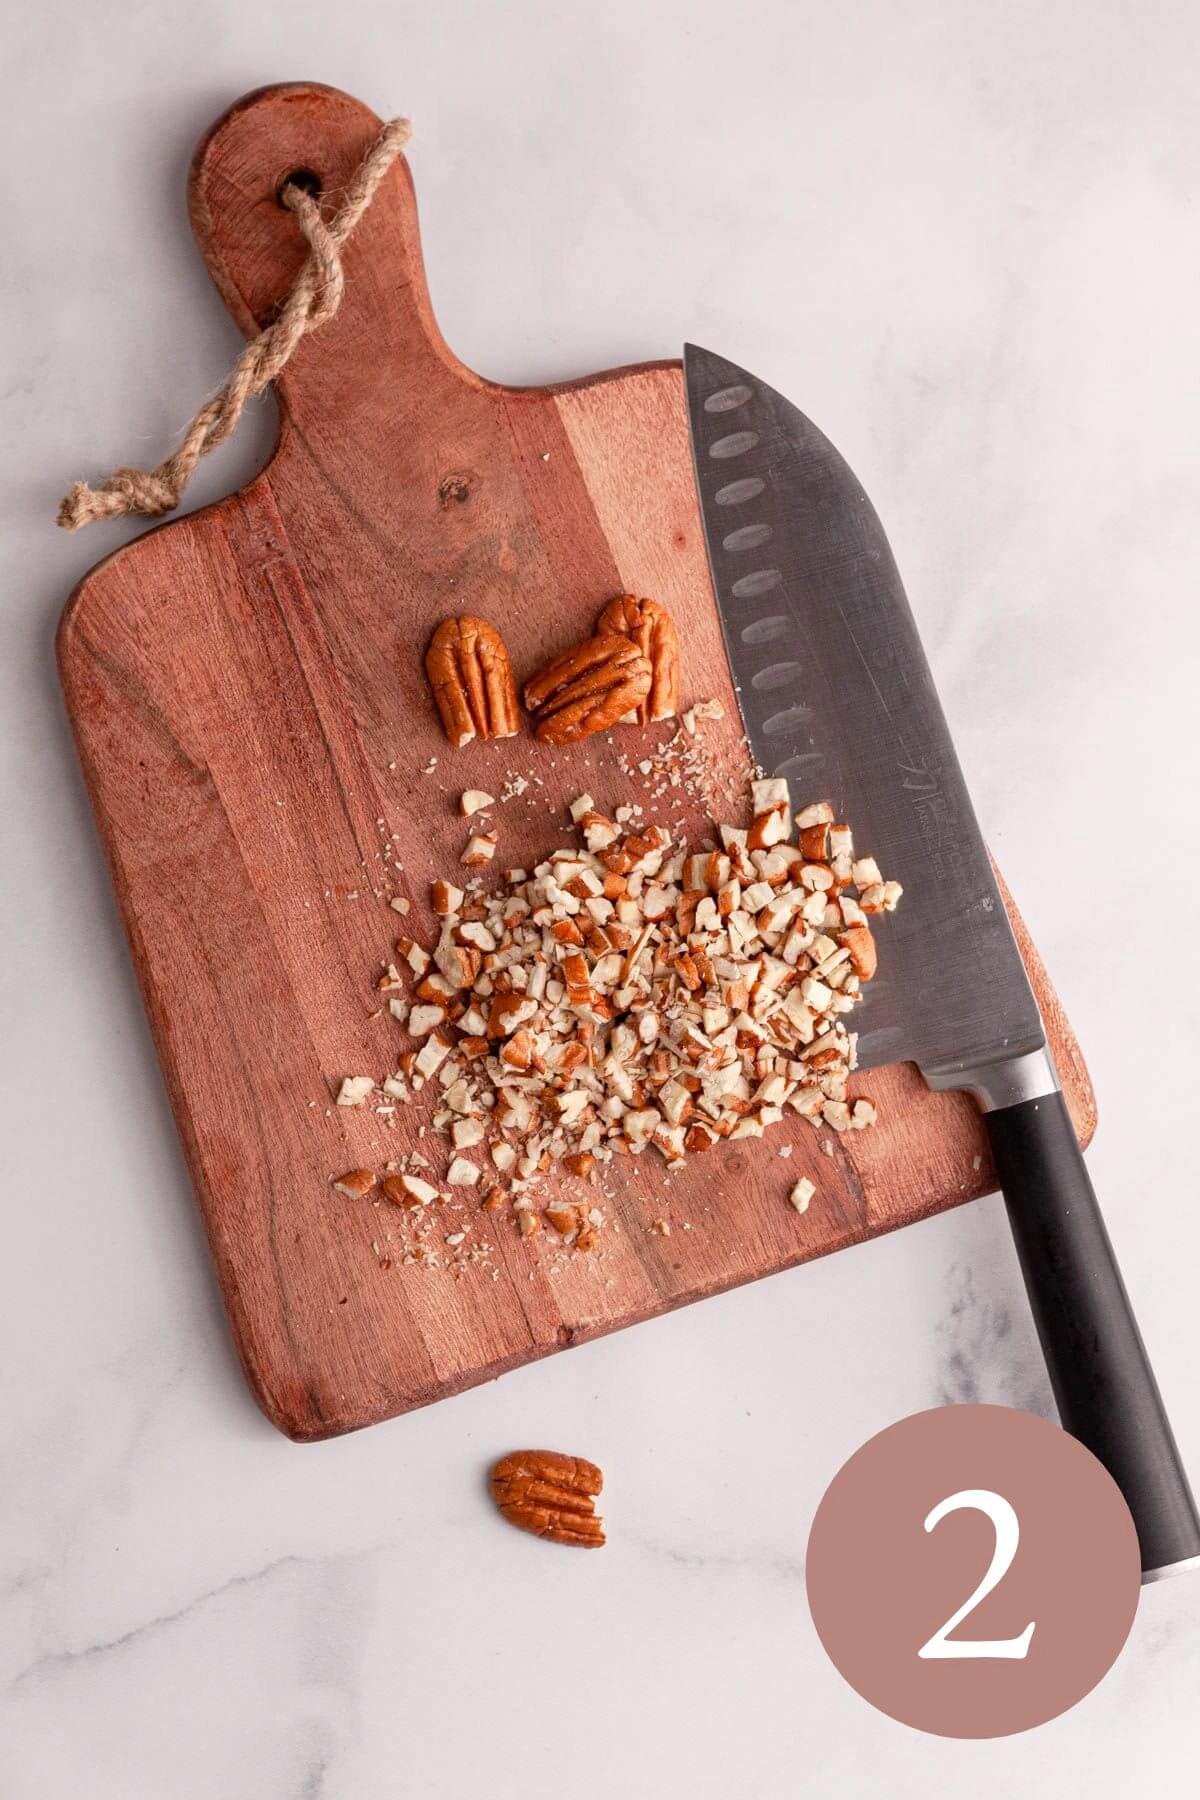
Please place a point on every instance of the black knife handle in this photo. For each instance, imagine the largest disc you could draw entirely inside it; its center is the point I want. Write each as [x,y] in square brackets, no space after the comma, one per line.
[1106,1392]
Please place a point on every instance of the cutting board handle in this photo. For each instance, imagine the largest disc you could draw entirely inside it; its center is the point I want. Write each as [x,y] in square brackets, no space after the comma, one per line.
[253,246]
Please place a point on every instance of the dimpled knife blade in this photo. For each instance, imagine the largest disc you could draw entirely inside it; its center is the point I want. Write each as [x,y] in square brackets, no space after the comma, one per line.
[836,694]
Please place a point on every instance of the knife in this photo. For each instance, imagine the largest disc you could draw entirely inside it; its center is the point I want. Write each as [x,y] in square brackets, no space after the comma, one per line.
[836,695]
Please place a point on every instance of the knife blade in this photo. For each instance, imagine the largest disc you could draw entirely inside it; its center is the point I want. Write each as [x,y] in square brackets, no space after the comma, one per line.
[837,696]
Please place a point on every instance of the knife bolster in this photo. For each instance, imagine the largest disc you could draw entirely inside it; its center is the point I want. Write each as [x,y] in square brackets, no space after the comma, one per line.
[997,1083]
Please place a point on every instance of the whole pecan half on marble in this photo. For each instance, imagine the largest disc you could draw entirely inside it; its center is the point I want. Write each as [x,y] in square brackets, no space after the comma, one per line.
[551,1495]
[587,688]
[472,681]
[650,626]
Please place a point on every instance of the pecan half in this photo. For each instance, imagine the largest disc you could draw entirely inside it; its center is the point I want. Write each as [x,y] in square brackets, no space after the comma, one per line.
[651,627]
[472,681]
[587,689]
[550,1495]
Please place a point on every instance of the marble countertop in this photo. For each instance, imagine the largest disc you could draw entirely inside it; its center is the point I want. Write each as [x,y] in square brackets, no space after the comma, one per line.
[963,237]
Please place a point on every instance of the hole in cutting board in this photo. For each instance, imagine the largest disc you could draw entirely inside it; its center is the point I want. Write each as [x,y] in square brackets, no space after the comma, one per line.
[455,489]
[306,179]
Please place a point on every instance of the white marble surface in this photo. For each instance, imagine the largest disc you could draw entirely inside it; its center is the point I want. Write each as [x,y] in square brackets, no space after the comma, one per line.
[964,237]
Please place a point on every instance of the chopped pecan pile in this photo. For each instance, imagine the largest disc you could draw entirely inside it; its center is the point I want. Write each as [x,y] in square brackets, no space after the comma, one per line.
[551,1495]
[633,994]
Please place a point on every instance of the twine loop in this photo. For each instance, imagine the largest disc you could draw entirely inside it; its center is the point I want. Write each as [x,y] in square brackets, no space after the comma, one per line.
[314,299]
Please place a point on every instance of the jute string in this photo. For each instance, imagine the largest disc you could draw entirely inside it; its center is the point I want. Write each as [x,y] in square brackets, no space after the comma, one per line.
[314,299]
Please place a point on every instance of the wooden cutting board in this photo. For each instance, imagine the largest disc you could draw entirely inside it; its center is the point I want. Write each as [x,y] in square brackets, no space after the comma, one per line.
[247,694]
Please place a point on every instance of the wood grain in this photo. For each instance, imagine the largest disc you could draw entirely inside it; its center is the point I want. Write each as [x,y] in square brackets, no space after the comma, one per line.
[247,694]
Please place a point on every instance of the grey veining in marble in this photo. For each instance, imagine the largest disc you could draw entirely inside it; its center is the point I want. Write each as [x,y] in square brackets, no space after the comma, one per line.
[963,236]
